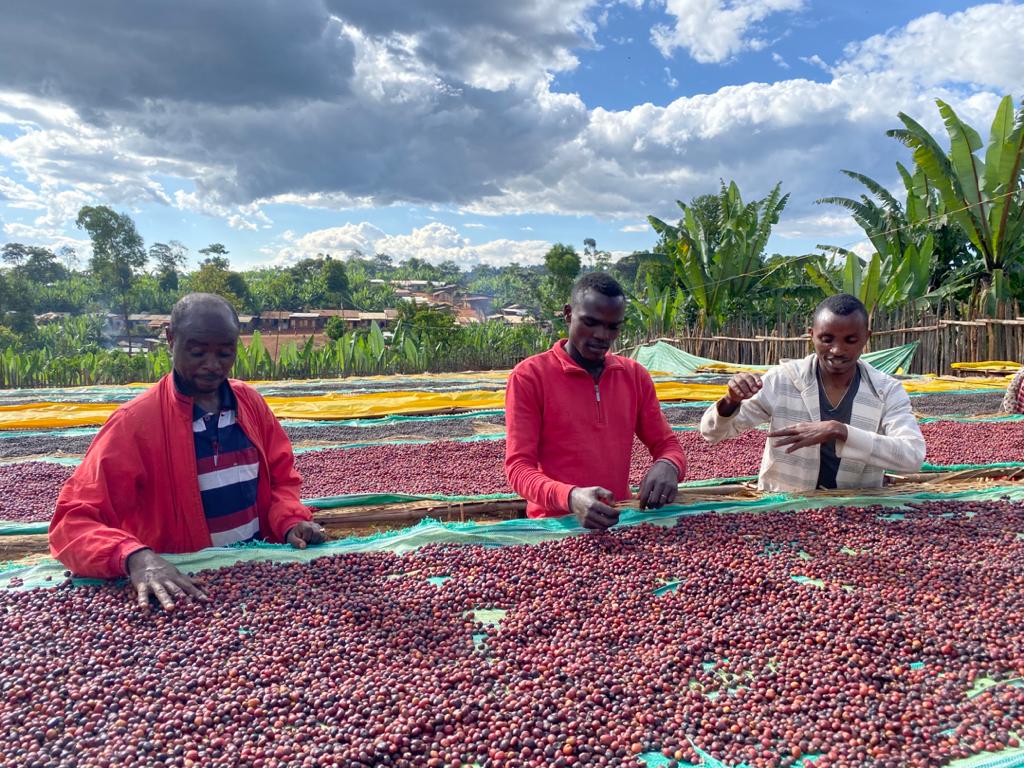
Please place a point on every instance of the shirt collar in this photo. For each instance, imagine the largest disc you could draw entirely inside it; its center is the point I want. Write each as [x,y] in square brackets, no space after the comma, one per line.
[611,362]
[227,397]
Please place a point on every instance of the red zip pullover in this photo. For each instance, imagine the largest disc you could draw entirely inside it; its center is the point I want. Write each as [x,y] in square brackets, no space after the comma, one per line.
[565,431]
[138,485]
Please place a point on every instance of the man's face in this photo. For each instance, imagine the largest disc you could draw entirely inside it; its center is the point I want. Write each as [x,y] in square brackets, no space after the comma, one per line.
[594,323]
[839,340]
[203,350]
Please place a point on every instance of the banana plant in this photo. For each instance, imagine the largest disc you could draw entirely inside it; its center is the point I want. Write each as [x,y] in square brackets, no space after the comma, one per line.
[653,314]
[983,197]
[717,271]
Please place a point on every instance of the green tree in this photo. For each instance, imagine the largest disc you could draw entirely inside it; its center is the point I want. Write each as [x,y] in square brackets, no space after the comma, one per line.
[336,281]
[596,260]
[215,251]
[214,277]
[169,261]
[272,289]
[563,267]
[16,304]
[118,255]
[335,328]
[982,196]
[433,326]
[37,265]
[719,259]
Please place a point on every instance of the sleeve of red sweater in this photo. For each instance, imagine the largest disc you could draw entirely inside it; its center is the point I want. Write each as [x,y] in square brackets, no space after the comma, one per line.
[653,428]
[86,533]
[523,415]
[285,484]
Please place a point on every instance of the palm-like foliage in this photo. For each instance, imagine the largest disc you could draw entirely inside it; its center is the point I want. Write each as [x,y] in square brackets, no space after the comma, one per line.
[983,197]
[717,273]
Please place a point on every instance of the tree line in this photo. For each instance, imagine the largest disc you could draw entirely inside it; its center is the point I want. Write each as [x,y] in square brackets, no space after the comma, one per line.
[952,235]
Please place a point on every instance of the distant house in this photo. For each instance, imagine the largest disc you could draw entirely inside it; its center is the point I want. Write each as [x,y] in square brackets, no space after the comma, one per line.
[446,294]
[315,320]
[51,317]
[514,314]
[273,320]
[480,304]
[310,322]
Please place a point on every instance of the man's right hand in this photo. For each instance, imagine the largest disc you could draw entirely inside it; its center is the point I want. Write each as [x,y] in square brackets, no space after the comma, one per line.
[742,386]
[592,509]
[151,574]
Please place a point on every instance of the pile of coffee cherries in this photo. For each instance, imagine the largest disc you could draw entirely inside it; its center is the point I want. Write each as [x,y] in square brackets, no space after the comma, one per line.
[842,636]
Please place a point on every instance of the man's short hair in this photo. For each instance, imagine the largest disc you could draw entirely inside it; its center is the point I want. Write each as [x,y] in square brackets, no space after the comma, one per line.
[601,282]
[192,301]
[842,304]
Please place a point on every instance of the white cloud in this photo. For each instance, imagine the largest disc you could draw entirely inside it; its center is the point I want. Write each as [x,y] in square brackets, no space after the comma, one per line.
[433,242]
[816,61]
[670,81]
[778,59]
[448,105]
[830,227]
[801,132]
[715,30]
[474,225]
[645,227]
[979,45]
[249,217]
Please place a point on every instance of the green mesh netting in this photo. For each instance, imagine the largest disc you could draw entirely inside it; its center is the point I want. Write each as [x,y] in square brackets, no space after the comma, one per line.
[509,532]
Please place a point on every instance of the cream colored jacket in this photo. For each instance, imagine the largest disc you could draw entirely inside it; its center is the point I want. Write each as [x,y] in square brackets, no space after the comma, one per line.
[883,433]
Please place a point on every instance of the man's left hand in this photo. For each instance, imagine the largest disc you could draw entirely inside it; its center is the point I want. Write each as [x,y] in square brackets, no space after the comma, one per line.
[808,433]
[659,486]
[306,532]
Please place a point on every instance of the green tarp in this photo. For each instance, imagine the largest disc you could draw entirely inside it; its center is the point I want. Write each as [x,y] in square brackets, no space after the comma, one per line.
[504,533]
[663,357]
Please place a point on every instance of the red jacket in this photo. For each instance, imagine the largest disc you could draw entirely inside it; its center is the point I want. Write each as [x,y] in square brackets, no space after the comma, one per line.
[564,431]
[138,487]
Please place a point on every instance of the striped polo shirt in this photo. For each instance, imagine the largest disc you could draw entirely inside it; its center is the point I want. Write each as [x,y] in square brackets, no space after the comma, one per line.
[228,469]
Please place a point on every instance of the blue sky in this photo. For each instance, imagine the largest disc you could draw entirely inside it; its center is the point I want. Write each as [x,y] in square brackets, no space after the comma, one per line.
[476,132]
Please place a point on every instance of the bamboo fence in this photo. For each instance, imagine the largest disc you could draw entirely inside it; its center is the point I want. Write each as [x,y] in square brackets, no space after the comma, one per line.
[944,337]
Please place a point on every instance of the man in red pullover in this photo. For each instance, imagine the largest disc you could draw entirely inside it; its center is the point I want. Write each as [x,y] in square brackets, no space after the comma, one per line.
[197,460]
[571,413]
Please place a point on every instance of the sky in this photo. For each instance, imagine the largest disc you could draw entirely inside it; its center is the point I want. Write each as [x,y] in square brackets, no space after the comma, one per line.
[478,132]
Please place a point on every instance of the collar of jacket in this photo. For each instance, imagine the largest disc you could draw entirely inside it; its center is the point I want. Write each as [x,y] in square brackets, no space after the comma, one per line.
[801,373]
[185,404]
[611,362]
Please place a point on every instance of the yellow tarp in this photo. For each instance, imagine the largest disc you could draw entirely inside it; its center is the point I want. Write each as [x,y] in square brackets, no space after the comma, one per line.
[993,366]
[339,405]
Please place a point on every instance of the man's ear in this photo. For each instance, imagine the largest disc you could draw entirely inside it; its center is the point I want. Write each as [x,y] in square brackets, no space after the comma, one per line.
[567,313]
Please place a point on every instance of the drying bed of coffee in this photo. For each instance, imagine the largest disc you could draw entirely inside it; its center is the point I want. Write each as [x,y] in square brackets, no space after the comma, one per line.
[843,636]
[28,490]
[953,404]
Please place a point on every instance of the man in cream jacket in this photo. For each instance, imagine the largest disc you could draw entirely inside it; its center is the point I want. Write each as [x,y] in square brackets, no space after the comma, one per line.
[834,421]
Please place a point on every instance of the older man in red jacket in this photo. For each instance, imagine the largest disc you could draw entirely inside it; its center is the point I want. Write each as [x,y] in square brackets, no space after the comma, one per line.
[198,460]
[571,413]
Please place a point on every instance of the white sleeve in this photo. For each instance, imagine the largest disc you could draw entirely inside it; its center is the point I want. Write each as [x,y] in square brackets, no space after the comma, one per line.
[899,446]
[751,413]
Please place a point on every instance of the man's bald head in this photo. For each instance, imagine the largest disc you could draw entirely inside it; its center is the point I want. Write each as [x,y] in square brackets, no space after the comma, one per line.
[203,337]
[203,310]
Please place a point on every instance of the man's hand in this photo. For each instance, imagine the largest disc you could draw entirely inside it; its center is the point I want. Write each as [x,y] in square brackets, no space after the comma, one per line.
[659,486]
[591,507]
[151,574]
[742,386]
[809,433]
[306,532]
